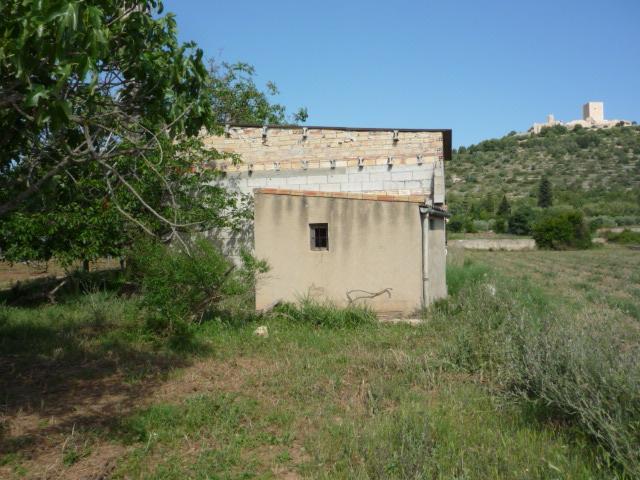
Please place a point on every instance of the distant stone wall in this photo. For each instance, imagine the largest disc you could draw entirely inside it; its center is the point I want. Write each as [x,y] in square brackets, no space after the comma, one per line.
[507,244]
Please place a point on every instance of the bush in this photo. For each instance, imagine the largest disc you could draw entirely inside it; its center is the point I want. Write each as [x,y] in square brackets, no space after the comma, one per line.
[456,224]
[325,314]
[561,229]
[520,221]
[587,140]
[180,287]
[480,225]
[500,225]
[583,370]
[627,220]
[601,221]
[625,237]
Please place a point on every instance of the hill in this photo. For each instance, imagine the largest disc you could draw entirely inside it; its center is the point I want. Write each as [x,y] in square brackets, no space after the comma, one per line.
[595,170]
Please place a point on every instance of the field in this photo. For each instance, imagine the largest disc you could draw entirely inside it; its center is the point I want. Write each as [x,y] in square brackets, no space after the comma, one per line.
[88,392]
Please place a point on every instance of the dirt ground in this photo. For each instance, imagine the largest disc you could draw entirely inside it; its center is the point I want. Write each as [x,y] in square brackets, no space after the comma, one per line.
[12,273]
[46,404]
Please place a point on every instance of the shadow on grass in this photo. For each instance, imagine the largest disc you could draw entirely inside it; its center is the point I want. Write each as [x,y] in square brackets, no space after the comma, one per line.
[82,364]
[37,292]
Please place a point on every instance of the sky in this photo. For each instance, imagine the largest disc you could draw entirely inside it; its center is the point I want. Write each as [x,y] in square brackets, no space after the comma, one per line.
[479,67]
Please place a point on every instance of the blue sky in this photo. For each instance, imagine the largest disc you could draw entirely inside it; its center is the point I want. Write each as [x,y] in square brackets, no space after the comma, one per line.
[481,67]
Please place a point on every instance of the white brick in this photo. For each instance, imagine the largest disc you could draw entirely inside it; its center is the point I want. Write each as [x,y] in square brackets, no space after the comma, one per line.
[413,185]
[351,187]
[317,179]
[424,173]
[338,178]
[276,181]
[256,182]
[297,180]
[372,186]
[401,176]
[358,177]
[393,185]
[378,177]
[330,187]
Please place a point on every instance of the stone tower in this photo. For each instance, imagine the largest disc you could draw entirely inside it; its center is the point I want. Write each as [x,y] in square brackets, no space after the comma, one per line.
[593,111]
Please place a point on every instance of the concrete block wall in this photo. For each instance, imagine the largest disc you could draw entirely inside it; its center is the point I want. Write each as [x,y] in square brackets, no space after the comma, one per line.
[396,179]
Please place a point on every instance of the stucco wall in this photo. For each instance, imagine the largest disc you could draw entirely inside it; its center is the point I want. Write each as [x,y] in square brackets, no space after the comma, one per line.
[437,260]
[373,245]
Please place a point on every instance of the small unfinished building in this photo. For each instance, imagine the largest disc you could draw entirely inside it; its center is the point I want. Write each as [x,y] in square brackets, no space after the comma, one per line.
[349,215]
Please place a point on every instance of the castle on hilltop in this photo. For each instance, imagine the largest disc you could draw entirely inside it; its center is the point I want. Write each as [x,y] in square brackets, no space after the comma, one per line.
[592,116]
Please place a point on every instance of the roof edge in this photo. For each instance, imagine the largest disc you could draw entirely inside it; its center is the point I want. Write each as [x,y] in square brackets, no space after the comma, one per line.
[381,197]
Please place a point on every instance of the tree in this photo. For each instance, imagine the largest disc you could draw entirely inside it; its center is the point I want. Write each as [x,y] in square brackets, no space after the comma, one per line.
[504,209]
[489,203]
[545,196]
[100,112]
[520,221]
[238,100]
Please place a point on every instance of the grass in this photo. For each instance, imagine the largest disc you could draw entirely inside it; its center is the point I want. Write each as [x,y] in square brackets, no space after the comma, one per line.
[364,400]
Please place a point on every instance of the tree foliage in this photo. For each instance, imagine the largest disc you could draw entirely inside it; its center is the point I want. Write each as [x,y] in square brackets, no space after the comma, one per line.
[504,209]
[561,229]
[238,100]
[100,111]
[520,221]
[545,196]
[178,288]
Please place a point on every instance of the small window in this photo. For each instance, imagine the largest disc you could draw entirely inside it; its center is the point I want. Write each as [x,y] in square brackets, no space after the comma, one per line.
[319,236]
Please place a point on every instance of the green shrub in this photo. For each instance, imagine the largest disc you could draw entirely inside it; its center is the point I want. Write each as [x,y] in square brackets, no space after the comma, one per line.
[520,221]
[627,220]
[625,237]
[500,225]
[561,229]
[582,370]
[586,373]
[325,314]
[179,287]
[456,224]
[480,225]
[601,221]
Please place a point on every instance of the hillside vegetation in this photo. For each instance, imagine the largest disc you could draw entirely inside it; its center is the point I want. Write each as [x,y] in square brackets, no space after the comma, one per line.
[594,170]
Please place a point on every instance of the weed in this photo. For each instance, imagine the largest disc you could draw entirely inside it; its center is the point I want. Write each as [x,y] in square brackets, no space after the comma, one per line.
[325,314]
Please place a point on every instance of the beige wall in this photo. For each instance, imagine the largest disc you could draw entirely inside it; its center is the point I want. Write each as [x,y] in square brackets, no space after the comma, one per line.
[373,245]
[594,111]
[437,260]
